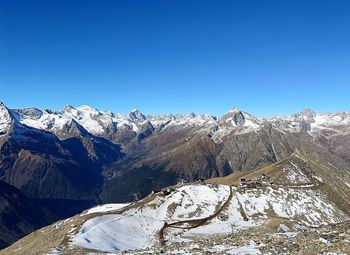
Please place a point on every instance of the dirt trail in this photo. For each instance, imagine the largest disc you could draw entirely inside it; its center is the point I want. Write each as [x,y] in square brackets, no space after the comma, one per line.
[192,223]
[241,210]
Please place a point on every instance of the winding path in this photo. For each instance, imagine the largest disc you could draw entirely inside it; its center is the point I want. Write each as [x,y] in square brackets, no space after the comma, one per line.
[192,223]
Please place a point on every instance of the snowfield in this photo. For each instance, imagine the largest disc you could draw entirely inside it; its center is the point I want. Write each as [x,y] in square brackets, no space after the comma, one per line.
[105,208]
[309,207]
[138,227]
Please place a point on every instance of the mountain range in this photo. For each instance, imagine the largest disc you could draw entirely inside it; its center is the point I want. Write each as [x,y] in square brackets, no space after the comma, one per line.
[69,160]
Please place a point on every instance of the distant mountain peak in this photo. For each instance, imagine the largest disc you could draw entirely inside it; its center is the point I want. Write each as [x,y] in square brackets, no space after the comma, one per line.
[85,108]
[191,115]
[5,118]
[136,115]
[235,109]
[308,112]
[68,108]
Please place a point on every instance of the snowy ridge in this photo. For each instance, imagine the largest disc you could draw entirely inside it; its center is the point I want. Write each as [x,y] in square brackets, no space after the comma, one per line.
[105,208]
[105,123]
[312,122]
[99,122]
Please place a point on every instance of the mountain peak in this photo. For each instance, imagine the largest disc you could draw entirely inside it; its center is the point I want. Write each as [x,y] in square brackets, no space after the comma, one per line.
[85,108]
[68,108]
[5,118]
[190,115]
[136,115]
[308,112]
[235,109]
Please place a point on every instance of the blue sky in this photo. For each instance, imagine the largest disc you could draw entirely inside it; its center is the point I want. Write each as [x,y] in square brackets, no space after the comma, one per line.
[265,57]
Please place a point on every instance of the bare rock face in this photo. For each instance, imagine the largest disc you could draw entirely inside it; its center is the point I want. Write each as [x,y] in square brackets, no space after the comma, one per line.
[32,113]
[146,130]
[239,119]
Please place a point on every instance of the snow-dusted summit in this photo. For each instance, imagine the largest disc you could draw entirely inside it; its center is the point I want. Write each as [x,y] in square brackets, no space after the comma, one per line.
[5,119]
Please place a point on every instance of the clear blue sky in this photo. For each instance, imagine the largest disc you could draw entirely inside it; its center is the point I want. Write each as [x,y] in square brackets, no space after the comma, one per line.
[265,57]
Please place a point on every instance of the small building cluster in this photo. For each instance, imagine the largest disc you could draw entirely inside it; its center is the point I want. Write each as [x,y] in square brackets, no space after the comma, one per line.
[165,192]
[256,183]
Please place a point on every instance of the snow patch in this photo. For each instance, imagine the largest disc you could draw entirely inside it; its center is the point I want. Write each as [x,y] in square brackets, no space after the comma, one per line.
[105,208]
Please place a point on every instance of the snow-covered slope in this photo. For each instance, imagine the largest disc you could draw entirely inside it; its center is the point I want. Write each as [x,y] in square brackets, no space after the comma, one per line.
[137,227]
[190,212]
[5,119]
[299,199]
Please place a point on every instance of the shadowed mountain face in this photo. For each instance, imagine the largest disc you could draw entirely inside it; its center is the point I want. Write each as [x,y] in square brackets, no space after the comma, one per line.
[86,156]
[42,166]
[19,215]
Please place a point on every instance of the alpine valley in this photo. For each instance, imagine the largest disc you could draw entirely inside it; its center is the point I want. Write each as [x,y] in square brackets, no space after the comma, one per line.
[237,184]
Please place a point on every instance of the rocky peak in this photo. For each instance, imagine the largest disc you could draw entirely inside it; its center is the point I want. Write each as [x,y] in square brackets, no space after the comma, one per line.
[235,109]
[178,116]
[308,113]
[234,116]
[68,108]
[136,115]
[146,130]
[72,129]
[190,115]
[5,119]
[239,118]
[32,113]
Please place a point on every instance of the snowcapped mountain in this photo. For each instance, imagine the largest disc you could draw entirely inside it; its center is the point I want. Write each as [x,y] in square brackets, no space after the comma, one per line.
[116,127]
[5,119]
